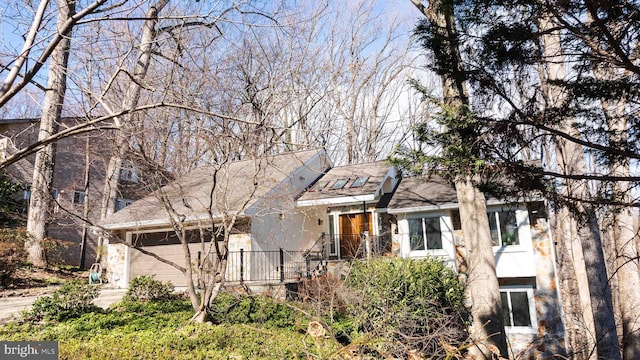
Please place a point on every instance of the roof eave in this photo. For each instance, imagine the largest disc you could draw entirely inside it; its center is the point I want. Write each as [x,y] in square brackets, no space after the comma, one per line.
[337,200]
[164,222]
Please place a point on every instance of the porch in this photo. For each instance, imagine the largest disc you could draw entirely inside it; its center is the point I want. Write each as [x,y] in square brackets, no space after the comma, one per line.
[282,266]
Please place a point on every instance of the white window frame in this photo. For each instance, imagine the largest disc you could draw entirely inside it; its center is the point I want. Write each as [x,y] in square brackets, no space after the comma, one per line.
[425,241]
[528,289]
[334,230]
[494,216]
[445,234]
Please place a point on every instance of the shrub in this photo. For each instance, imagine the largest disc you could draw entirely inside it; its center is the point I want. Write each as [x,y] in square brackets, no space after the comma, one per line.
[12,253]
[405,305]
[146,288]
[71,300]
[11,202]
[253,310]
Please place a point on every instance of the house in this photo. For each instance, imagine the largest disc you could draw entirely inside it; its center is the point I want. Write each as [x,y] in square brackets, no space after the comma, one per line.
[257,195]
[297,214]
[77,158]
[428,224]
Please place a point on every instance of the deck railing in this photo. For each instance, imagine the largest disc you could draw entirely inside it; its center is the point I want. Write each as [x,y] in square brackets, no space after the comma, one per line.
[284,266]
[266,266]
[358,246]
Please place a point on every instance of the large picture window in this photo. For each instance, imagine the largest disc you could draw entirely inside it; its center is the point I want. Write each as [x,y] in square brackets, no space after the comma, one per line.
[425,234]
[517,307]
[504,228]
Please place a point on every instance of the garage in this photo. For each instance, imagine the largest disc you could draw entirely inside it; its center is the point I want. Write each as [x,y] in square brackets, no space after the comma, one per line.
[165,245]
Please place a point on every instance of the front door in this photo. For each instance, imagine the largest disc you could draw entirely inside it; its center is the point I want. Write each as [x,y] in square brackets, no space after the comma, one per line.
[351,228]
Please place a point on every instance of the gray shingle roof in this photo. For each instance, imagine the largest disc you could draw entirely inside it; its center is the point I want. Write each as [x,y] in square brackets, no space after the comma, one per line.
[374,172]
[229,189]
[422,193]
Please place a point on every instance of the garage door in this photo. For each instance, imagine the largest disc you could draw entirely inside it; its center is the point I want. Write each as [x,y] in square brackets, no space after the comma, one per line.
[166,246]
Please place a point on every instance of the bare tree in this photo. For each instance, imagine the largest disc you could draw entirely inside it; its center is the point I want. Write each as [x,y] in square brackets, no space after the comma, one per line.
[40,201]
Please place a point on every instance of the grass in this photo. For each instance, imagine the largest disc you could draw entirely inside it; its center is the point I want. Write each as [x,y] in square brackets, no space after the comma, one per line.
[163,330]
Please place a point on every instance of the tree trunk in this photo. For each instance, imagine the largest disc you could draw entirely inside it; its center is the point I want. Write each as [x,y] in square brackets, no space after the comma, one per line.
[581,316]
[624,235]
[571,160]
[483,289]
[41,200]
[130,101]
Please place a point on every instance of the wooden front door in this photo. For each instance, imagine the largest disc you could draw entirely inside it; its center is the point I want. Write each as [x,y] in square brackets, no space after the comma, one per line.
[351,228]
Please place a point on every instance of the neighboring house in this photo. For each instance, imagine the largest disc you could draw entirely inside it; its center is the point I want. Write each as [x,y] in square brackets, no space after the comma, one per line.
[70,193]
[296,214]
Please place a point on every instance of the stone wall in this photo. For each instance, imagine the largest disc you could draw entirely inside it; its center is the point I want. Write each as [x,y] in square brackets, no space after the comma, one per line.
[550,339]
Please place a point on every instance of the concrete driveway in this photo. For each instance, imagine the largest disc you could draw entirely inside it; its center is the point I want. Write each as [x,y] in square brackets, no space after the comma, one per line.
[11,307]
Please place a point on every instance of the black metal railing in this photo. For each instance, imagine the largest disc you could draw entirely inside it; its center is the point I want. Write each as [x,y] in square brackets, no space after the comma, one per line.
[350,245]
[360,246]
[266,266]
[284,265]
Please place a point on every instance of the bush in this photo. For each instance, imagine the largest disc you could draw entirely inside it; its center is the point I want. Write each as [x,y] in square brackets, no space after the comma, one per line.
[71,300]
[405,305]
[12,253]
[253,310]
[11,202]
[146,288]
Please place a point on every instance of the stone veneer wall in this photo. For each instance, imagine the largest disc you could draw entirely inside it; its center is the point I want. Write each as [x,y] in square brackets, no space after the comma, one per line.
[116,265]
[550,339]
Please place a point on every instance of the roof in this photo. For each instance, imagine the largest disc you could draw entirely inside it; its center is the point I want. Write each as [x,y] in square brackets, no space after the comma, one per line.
[422,193]
[361,182]
[231,188]
[416,194]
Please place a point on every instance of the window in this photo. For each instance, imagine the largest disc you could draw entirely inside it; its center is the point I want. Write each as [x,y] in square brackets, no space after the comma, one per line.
[424,234]
[128,173]
[517,307]
[339,184]
[320,185]
[359,181]
[122,203]
[26,196]
[4,143]
[54,196]
[78,197]
[333,239]
[504,228]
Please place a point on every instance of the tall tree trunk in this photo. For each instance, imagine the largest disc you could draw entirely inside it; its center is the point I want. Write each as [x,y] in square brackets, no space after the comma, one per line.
[571,161]
[130,101]
[624,236]
[487,328]
[41,200]
[583,315]
[483,288]
[87,199]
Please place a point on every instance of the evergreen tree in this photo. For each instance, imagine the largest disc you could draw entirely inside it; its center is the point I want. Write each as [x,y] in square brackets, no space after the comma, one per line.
[555,110]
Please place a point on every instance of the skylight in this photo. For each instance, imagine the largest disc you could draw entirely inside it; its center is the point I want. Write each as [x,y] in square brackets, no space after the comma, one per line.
[320,185]
[339,184]
[359,181]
